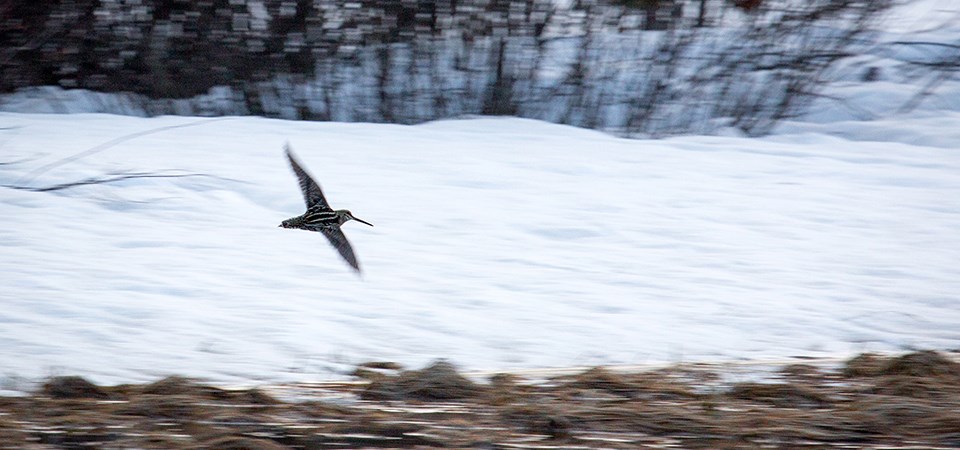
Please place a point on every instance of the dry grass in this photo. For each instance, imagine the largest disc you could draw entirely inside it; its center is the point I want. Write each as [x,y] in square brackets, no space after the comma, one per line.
[910,400]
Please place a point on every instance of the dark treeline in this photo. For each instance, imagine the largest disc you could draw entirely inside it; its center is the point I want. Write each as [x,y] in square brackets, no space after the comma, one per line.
[633,67]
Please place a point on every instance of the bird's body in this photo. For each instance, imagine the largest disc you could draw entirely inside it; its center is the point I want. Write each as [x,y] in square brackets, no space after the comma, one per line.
[320,216]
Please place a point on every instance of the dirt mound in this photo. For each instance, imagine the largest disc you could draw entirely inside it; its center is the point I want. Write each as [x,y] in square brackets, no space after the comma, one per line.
[652,385]
[918,364]
[923,364]
[72,387]
[439,381]
[782,395]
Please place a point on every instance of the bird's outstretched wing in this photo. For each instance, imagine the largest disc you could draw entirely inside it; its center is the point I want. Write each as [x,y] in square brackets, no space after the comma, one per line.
[339,240]
[312,195]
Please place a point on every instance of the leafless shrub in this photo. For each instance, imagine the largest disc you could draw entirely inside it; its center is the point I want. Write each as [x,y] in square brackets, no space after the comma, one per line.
[607,65]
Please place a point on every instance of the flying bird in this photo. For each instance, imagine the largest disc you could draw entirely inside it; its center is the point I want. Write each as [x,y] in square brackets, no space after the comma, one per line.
[319,215]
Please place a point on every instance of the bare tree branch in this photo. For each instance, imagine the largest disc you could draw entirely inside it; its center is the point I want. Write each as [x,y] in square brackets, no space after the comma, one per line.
[112,179]
[931,43]
[106,145]
[943,66]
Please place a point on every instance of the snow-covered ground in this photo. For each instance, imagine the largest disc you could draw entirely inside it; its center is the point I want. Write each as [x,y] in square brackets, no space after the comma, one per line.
[499,243]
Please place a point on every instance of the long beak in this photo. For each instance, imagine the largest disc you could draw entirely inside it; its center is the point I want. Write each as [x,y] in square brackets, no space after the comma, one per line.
[363,221]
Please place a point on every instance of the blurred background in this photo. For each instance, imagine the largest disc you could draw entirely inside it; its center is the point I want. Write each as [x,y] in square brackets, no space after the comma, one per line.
[631,67]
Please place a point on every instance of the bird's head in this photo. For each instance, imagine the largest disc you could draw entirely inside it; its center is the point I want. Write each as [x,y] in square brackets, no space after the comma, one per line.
[286,224]
[348,215]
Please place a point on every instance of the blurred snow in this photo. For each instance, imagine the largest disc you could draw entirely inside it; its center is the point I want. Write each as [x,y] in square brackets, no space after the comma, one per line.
[499,243]
[923,15]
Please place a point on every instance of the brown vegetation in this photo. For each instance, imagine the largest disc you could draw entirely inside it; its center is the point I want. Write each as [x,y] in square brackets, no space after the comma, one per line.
[872,400]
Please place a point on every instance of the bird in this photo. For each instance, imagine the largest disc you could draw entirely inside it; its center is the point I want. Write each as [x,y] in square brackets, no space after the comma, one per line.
[319,215]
